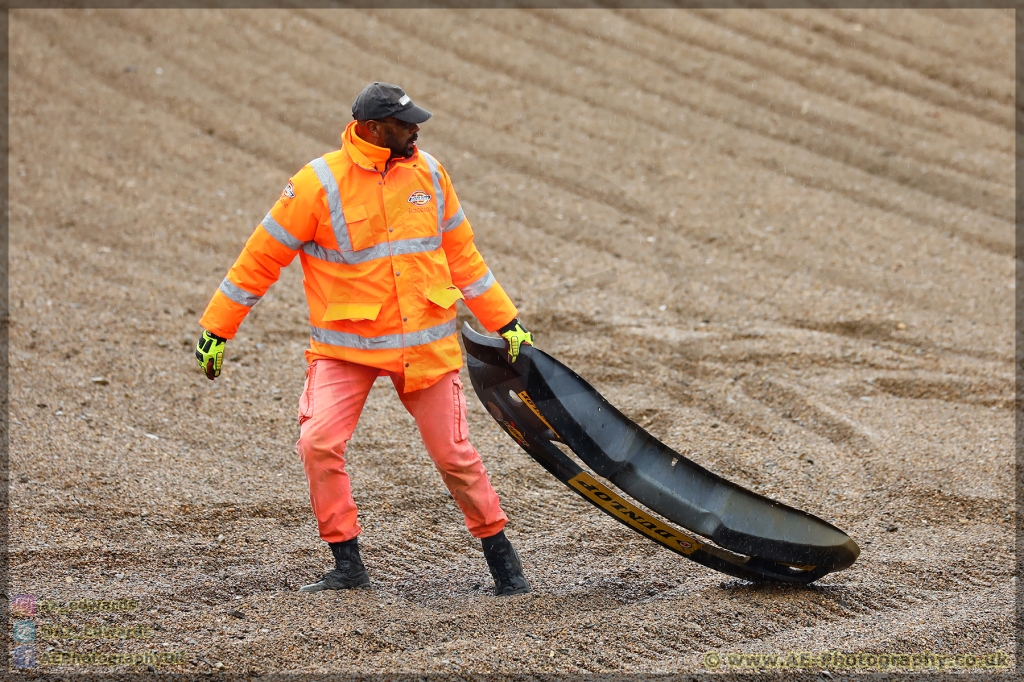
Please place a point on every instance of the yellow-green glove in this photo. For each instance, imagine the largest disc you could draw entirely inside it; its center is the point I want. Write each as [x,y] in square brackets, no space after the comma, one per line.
[515,335]
[210,354]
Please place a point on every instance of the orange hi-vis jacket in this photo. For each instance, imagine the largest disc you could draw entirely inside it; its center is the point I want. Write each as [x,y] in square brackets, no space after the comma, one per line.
[385,256]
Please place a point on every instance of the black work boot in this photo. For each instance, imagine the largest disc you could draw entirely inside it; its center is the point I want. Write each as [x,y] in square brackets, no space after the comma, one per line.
[506,569]
[348,570]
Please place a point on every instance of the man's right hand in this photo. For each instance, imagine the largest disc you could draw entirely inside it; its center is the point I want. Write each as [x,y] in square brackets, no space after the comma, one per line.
[516,336]
[210,354]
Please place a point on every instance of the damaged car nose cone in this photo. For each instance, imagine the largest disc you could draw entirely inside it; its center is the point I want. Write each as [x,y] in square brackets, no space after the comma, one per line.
[539,400]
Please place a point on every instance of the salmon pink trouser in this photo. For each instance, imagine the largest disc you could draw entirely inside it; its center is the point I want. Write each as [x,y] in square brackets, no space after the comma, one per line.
[329,407]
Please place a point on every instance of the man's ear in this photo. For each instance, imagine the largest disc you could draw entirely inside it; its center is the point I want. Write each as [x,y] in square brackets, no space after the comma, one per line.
[374,128]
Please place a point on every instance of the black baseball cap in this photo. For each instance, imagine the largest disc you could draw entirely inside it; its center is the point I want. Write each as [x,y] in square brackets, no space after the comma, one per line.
[380,100]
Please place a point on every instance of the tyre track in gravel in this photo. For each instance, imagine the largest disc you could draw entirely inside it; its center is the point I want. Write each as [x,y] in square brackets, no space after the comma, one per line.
[281,108]
[867,146]
[778,399]
[152,159]
[969,34]
[955,17]
[786,398]
[777,267]
[917,503]
[999,245]
[209,516]
[767,160]
[223,115]
[935,66]
[951,388]
[911,26]
[694,384]
[702,32]
[794,609]
[864,151]
[903,627]
[865,64]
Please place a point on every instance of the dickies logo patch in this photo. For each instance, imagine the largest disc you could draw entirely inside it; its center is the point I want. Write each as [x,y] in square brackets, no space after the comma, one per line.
[419,198]
[289,191]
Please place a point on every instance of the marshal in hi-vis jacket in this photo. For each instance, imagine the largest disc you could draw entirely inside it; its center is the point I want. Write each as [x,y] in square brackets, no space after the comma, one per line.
[385,256]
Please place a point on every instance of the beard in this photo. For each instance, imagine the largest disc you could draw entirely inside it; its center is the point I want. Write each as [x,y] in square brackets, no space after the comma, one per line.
[398,149]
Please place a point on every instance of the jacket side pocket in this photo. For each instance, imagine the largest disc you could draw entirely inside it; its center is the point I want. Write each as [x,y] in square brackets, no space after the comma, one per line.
[352,311]
[444,295]
[461,430]
[306,399]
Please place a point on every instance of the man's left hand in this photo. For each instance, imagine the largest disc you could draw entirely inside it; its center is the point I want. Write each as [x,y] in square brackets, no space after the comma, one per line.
[210,354]
[515,335]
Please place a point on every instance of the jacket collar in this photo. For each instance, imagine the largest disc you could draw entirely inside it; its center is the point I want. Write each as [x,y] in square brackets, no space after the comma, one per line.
[367,155]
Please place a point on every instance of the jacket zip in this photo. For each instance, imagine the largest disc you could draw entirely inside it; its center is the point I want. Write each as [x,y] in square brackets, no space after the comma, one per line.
[387,167]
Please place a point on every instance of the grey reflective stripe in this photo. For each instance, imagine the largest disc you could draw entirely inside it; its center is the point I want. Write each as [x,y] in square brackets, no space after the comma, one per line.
[330,185]
[316,251]
[282,235]
[478,287]
[388,341]
[454,221]
[349,257]
[399,247]
[238,294]
[435,175]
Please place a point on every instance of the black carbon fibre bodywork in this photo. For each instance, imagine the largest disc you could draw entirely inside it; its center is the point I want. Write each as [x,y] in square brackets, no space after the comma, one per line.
[538,400]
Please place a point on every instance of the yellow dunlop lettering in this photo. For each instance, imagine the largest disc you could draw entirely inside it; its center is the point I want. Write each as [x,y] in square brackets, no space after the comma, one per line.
[631,516]
[514,432]
[533,408]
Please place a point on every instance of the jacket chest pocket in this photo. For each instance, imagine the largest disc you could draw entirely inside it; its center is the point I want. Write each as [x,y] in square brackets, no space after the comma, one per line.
[359,225]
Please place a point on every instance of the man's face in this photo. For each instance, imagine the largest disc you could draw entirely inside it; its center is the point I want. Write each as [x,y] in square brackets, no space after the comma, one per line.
[398,136]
